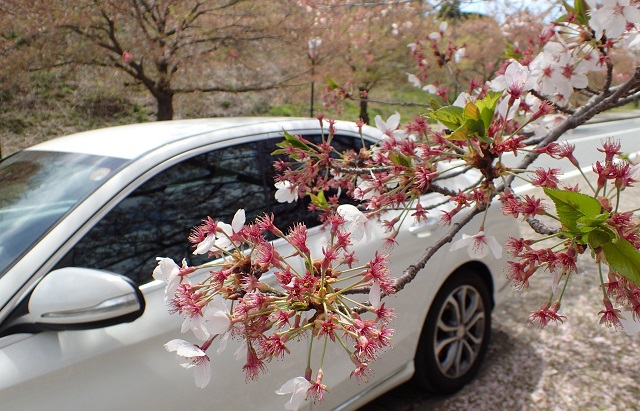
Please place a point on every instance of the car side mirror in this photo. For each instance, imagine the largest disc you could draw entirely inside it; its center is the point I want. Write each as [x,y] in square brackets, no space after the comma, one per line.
[75,298]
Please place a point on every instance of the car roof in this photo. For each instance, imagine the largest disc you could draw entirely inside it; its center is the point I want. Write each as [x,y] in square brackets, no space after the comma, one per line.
[132,141]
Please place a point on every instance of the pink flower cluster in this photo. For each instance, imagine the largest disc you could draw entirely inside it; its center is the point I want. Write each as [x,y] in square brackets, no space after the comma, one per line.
[240,300]
[613,176]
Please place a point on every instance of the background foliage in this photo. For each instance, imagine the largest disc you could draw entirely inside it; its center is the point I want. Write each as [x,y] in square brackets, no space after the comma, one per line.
[65,67]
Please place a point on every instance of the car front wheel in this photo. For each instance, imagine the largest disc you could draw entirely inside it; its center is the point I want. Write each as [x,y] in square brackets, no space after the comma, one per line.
[455,335]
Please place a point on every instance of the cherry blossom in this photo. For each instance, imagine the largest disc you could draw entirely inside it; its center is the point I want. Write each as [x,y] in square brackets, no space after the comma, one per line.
[225,241]
[546,314]
[222,239]
[357,222]
[169,272]
[298,388]
[390,127]
[286,192]
[610,315]
[196,358]
[209,320]
[516,80]
[611,19]
[479,245]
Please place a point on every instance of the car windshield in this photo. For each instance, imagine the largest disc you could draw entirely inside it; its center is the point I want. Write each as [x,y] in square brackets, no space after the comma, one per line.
[37,188]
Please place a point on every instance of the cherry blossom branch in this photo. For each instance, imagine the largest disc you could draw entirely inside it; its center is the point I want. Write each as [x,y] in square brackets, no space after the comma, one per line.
[359,170]
[555,105]
[410,273]
[541,228]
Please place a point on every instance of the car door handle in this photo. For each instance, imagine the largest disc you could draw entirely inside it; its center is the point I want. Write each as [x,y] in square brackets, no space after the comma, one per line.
[425,229]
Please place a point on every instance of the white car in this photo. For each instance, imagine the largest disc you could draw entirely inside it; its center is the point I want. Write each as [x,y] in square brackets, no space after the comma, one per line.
[83,323]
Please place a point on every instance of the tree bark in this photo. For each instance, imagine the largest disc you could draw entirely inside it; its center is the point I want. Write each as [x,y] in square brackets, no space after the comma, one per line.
[364,114]
[164,102]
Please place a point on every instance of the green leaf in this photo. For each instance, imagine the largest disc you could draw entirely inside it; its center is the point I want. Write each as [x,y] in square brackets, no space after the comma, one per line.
[319,199]
[451,116]
[400,159]
[471,111]
[598,237]
[586,224]
[295,142]
[510,52]
[568,7]
[461,133]
[332,84]
[572,206]
[623,258]
[470,128]
[487,107]
[581,9]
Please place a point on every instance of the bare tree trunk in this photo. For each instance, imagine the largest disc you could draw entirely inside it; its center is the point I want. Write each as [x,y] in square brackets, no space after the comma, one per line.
[165,106]
[364,113]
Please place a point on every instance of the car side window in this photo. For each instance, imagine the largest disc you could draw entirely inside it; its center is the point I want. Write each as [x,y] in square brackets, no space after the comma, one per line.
[156,219]
[287,214]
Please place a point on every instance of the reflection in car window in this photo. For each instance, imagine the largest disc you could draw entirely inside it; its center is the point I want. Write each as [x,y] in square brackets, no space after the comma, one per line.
[286,214]
[156,219]
[37,188]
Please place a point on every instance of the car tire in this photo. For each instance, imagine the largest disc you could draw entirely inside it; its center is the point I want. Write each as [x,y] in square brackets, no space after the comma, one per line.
[455,335]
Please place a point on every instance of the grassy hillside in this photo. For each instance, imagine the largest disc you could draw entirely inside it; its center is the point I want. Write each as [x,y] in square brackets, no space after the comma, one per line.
[49,104]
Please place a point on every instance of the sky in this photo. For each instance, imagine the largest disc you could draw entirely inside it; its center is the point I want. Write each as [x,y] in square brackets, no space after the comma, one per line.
[482,6]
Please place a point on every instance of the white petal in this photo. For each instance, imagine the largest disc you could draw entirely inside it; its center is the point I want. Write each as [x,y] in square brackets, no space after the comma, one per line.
[285,192]
[184,348]
[225,228]
[461,243]
[223,343]
[413,79]
[166,269]
[205,245]
[498,84]
[238,220]
[202,373]
[282,184]
[632,14]
[172,286]
[462,99]
[430,88]
[629,325]
[298,388]
[399,135]
[393,121]
[478,249]
[350,213]
[494,246]
[217,320]
[579,81]
[197,325]
[223,243]
[374,295]
[380,124]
